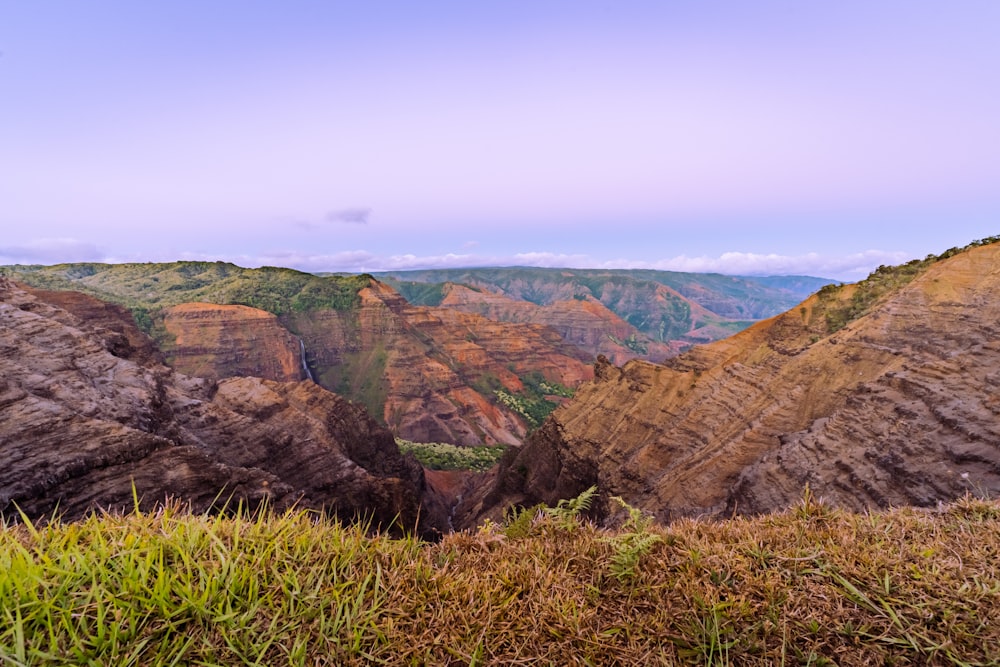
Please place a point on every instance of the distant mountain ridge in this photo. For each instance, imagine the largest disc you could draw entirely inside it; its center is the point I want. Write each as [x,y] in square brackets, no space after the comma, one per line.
[730,297]
[666,311]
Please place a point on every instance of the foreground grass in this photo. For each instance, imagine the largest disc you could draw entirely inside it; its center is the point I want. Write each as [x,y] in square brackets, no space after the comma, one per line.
[812,586]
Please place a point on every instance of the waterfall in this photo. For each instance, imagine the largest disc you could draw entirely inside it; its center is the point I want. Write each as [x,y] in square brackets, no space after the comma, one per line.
[302,356]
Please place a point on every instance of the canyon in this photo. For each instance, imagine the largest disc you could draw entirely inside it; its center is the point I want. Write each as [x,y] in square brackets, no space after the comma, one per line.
[454,369]
[669,307]
[867,395]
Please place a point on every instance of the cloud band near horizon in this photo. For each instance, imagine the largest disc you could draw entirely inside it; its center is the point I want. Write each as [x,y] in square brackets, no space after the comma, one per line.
[849,267]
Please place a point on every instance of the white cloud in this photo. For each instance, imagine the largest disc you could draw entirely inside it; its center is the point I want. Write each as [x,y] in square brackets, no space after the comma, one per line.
[844,267]
[551,260]
[850,267]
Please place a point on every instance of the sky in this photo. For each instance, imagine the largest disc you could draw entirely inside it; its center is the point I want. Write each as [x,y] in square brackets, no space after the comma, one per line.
[741,136]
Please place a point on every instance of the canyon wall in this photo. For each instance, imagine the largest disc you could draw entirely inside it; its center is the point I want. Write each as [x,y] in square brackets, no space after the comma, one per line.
[897,406]
[213,341]
[432,371]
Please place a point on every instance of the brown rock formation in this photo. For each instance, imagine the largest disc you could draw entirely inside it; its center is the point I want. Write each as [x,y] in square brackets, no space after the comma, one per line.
[898,407]
[417,368]
[83,418]
[213,341]
[581,321]
[111,323]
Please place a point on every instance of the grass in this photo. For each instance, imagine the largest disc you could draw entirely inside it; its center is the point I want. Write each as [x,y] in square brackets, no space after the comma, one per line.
[812,586]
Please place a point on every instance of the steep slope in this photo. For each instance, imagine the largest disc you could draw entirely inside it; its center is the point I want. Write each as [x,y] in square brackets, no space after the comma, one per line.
[737,297]
[112,323]
[84,417]
[896,406]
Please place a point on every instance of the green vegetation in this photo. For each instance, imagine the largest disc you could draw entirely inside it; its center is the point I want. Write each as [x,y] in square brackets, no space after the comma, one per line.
[361,377]
[631,542]
[486,383]
[632,343]
[145,288]
[885,280]
[533,404]
[813,586]
[445,456]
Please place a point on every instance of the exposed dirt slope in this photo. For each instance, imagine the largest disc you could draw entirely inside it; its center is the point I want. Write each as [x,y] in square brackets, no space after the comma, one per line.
[898,407]
[83,417]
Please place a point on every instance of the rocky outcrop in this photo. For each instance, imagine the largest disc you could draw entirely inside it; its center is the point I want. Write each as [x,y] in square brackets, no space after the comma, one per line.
[898,407]
[84,418]
[109,322]
[213,341]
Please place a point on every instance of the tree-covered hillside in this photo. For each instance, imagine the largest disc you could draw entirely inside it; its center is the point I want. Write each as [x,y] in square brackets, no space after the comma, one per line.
[150,285]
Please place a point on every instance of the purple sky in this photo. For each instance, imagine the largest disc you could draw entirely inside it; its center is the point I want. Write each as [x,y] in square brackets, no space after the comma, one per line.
[741,137]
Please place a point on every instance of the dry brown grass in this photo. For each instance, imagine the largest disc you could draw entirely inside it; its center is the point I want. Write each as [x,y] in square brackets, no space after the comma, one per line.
[812,586]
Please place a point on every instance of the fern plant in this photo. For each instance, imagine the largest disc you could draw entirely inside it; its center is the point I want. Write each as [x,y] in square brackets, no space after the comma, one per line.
[567,512]
[519,521]
[632,541]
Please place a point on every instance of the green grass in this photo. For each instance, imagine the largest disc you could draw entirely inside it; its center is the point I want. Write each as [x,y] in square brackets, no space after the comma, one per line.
[812,586]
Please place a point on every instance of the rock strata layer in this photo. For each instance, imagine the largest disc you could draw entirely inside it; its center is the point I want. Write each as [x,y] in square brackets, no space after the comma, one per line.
[898,407]
[216,342]
[86,415]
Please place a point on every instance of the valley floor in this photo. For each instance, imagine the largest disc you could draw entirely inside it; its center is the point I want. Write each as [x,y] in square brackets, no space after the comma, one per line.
[810,586]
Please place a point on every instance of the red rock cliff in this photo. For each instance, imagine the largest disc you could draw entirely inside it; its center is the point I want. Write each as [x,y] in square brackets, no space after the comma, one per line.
[215,342]
[583,322]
